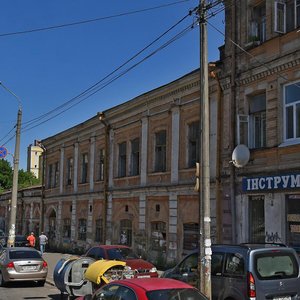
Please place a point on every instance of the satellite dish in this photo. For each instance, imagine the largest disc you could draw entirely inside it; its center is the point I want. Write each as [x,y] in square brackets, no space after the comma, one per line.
[240,156]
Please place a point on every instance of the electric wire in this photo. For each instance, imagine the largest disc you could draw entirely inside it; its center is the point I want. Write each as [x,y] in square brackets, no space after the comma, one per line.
[89,20]
[179,35]
[7,136]
[94,86]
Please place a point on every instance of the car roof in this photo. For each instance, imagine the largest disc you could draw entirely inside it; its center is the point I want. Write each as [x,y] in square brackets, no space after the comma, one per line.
[111,246]
[152,284]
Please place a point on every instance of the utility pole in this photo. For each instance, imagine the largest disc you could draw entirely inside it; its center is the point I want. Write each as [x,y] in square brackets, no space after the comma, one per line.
[204,195]
[14,194]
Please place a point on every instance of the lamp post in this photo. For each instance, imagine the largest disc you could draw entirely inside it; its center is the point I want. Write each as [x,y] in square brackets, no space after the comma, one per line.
[14,194]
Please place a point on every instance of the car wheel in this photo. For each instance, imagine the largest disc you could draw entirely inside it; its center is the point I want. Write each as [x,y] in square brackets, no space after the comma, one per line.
[41,283]
[2,281]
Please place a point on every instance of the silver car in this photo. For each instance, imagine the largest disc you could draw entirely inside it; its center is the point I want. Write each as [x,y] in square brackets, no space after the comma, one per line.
[22,264]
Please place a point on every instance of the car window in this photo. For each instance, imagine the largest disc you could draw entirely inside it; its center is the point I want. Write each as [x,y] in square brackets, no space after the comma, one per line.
[234,264]
[16,254]
[121,253]
[96,253]
[175,294]
[216,263]
[125,293]
[190,263]
[108,292]
[276,264]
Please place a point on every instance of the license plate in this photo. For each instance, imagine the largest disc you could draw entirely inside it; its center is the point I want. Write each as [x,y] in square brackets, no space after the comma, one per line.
[29,268]
[283,298]
[143,276]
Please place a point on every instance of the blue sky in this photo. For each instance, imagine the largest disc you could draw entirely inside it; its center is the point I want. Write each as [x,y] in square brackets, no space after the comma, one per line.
[48,68]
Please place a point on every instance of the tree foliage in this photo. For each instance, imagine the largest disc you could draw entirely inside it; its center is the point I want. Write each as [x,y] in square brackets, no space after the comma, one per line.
[25,178]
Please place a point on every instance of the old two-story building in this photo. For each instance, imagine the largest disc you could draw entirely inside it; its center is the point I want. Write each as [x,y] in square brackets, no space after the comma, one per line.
[127,175]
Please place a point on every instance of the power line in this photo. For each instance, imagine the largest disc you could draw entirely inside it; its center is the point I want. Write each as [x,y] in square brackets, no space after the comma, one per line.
[89,20]
[95,86]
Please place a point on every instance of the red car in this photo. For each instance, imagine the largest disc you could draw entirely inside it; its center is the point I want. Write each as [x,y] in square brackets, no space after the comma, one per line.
[146,289]
[142,268]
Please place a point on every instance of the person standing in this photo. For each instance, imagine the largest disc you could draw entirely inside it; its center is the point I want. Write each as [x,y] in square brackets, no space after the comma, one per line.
[43,241]
[31,240]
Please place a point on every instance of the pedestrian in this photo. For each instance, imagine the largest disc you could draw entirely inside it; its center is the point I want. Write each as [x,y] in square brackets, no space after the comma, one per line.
[31,240]
[43,241]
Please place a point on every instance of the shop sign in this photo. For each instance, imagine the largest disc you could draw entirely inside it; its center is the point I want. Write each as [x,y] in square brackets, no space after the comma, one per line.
[268,183]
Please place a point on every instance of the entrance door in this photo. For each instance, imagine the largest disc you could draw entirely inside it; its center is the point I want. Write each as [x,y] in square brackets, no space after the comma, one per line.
[257,219]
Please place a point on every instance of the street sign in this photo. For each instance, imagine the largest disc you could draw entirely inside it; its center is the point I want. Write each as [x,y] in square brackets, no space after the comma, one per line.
[3,152]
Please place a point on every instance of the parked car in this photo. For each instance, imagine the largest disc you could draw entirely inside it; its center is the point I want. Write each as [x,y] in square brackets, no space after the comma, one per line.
[20,241]
[124,253]
[246,271]
[22,264]
[146,289]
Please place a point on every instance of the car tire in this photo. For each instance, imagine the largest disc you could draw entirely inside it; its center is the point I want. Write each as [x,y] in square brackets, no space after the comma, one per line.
[41,283]
[2,281]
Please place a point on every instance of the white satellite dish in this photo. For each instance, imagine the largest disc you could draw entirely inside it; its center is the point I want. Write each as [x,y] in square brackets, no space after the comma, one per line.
[240,155]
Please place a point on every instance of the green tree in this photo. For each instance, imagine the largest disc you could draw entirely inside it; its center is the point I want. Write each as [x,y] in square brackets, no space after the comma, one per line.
[6,175]
[26,179]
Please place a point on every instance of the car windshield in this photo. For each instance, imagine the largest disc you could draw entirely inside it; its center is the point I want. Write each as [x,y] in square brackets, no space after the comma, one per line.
[17,254]
[121,253]
[276,264]
[175,294]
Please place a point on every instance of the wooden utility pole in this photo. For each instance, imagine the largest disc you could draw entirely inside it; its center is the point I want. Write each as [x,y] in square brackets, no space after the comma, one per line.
[204,195]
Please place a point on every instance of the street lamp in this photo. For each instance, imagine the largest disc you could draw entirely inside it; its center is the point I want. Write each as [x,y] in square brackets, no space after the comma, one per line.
[14,194]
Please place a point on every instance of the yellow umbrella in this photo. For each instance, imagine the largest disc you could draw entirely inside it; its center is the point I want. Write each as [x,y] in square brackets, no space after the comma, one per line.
[95,272]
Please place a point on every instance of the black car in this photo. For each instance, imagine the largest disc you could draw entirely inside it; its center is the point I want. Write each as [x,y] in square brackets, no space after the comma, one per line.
[20,241]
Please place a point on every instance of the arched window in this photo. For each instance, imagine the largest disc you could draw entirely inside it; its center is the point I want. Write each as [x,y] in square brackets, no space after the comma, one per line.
[158,236]
[126,232]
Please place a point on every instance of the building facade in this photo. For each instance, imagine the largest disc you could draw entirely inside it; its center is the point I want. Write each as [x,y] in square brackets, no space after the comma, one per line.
[263,58]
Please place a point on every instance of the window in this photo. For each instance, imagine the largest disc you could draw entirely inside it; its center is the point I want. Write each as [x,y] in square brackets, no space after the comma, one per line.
[50,176]
[292,112]
[287,15]
[193,144]
[135,157]
[235,264]
[122,160]
[257,119]
[293,221]
[84,168]
[257,219]
[99,231]
[69,170]
[251,129]
[158,236]
[190,236]
[216,263]
[101,165]
[257,30]
[126,232]
[67,228]
[160,151]
[56,174]
[82,229]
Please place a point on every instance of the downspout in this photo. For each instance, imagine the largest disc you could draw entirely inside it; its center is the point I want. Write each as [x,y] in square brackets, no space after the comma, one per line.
[219,203]
[233,124]
[107,127]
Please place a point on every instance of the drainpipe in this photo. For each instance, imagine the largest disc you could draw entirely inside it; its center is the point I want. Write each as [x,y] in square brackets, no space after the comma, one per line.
[219,203]
[233,123]
[107,127]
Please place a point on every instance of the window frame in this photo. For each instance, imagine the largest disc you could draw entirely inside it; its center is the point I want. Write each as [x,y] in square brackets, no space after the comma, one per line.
[122,159]
[160,163]
[135,157]
[193,143]
[70,166]
[84,167]
[82,229]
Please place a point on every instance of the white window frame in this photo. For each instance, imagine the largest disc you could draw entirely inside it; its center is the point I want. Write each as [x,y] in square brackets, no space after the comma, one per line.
[276,29]
[294,139]
[242,118]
